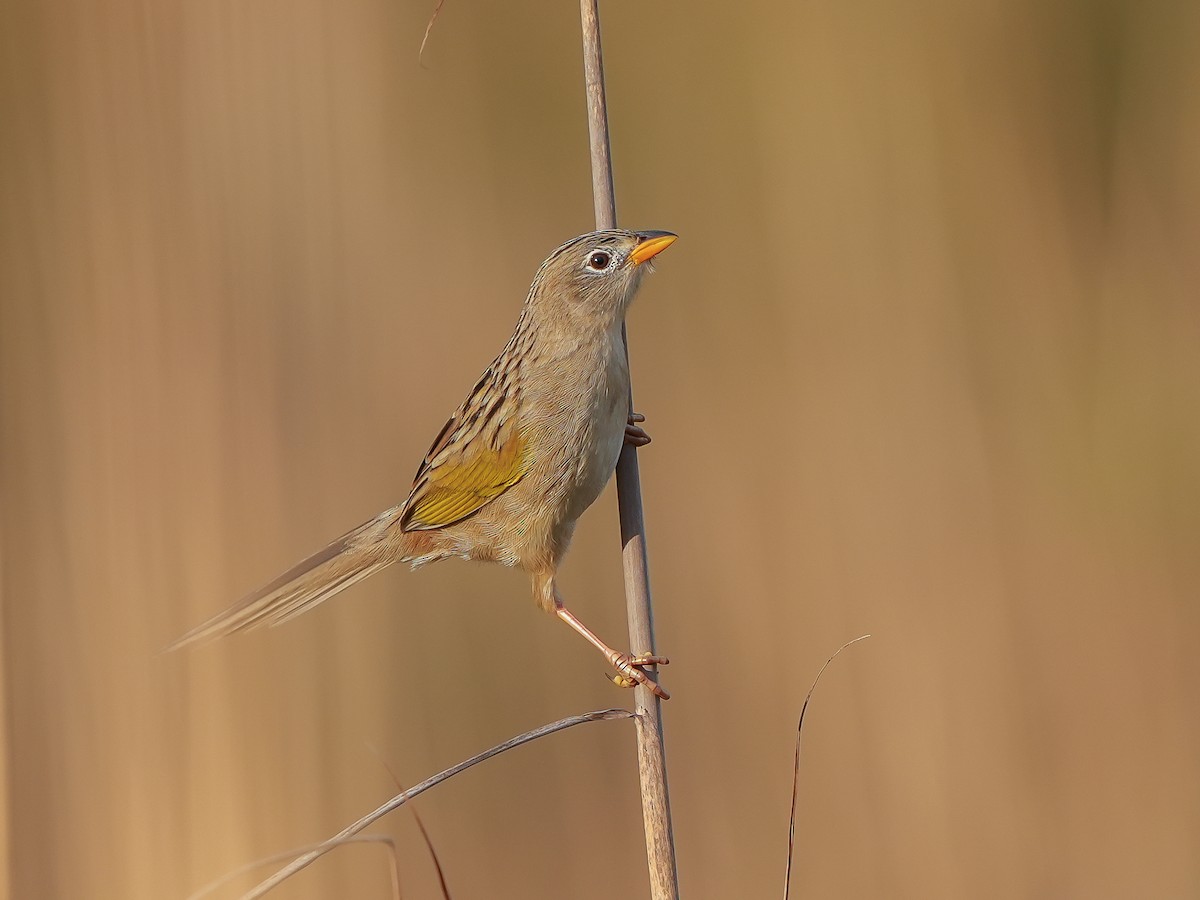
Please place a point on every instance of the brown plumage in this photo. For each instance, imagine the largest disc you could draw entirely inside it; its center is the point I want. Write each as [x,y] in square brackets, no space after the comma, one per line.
[525,454]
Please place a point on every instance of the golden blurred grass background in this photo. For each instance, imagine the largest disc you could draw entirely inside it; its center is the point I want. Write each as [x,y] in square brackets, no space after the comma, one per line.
[925,363]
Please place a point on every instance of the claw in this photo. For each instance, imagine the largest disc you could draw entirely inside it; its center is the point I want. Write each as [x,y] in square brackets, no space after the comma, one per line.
[630,674]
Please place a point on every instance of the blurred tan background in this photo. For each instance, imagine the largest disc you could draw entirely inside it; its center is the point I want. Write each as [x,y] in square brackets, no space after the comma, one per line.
[925,363]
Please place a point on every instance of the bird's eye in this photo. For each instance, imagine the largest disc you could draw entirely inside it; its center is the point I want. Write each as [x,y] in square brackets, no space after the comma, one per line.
[599,261]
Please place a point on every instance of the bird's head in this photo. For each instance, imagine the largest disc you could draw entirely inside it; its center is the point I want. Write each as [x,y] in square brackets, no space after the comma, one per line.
[592,278]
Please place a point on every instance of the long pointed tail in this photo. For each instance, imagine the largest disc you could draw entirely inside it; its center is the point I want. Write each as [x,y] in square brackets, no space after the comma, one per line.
[372,546]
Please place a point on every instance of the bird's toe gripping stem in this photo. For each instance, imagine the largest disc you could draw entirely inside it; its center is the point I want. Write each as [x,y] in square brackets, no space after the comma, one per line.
[635,434]
[630,671]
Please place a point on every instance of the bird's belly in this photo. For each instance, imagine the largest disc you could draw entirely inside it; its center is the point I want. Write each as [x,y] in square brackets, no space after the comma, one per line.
[596,455]
[531,524]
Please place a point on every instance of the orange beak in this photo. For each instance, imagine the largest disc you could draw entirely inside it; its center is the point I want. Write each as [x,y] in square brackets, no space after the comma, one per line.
[650,244]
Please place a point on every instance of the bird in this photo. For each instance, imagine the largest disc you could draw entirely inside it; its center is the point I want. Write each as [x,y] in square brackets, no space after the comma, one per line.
[526,453]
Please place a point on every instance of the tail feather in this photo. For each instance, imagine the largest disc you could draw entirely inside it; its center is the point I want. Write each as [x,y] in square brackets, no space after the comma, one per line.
[352,557]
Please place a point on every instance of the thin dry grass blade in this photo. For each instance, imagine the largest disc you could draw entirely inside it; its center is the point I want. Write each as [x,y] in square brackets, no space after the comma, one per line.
[787,878]
[437,863]
[400,799]
[437,11]
[295,851]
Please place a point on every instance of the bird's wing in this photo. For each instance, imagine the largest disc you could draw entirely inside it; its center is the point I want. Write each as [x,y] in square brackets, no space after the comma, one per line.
[477,456]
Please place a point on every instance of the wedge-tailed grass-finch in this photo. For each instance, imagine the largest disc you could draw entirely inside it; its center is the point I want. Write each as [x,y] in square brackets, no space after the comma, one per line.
[525,454]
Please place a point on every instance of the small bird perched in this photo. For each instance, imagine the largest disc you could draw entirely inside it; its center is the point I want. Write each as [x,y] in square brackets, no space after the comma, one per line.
[526,453]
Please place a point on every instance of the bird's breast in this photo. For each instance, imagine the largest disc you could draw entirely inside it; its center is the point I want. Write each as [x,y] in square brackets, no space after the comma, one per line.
[578,427]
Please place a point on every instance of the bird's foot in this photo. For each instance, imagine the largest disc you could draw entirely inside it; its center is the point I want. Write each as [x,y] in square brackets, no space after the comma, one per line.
[629,668]
[635,434]
[630,674]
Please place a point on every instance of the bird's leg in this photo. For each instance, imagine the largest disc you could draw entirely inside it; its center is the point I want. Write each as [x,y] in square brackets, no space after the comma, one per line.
[635,434]
[629,668]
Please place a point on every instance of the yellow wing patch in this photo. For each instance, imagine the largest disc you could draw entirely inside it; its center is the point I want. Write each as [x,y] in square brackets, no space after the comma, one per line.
[463,482]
